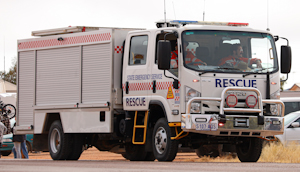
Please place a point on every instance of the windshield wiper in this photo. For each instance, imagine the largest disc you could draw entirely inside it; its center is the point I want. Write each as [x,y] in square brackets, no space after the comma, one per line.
[228,68]
[217,69]
[207,71]
[257,72]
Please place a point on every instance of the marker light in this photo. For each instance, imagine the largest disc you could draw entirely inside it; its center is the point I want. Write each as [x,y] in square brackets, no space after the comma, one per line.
[251,101]
[231,100]
[221,124]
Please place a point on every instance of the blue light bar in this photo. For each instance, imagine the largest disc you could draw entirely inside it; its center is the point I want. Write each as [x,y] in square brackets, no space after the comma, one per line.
[183,21]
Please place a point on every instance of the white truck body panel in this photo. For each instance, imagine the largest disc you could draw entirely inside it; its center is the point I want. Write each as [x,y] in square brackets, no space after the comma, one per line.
[74,77]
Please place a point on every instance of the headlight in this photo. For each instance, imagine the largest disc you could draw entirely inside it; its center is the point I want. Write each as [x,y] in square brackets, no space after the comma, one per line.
[275,95]
[275,109]
[191,93]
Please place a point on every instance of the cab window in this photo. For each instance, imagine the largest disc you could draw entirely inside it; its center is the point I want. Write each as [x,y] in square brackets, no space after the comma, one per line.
[174,54]
[138,50]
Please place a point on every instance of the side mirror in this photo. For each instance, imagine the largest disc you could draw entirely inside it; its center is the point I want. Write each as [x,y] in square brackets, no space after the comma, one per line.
[164,54]
[286,59]
[295,124]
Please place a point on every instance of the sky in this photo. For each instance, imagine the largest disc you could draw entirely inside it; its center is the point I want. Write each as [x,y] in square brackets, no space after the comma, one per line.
[18,18]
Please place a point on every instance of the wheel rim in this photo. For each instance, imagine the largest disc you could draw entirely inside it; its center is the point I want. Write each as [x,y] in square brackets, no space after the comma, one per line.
[10,111]
[55,140]
[160,140]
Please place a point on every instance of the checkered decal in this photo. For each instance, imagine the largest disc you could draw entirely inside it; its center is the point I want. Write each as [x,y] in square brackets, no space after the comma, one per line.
[177,97]
[148,86]
[118,49]
[140,86]
[66,41]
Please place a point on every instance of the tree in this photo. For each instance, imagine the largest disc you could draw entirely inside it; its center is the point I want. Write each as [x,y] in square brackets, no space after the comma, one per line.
[282,82]
[11,75]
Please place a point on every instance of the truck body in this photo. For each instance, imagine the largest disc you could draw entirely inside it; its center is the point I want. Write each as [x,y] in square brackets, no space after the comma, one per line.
[114,89]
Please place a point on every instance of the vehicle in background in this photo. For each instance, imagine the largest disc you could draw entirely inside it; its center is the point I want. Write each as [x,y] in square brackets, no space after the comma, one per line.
[291,129]
[8,144]
[292,104]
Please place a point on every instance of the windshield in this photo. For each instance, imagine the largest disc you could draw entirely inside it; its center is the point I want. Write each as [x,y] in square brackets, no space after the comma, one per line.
[228,51]
[289,118]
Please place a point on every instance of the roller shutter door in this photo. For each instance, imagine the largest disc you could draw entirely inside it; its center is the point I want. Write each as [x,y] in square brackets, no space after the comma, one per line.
[96,73]
[26,87]
[58,76]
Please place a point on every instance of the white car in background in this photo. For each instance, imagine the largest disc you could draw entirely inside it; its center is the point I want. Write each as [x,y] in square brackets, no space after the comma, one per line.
[291,129]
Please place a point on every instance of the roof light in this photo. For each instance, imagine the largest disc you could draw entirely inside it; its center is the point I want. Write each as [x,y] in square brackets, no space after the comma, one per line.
[184,22]
[237,24]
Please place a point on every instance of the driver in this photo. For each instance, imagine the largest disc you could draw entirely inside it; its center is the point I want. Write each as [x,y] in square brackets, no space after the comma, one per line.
[237,57]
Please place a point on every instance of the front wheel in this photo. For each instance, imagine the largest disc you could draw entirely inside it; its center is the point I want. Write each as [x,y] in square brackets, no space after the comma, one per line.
[164,149]
[249,150]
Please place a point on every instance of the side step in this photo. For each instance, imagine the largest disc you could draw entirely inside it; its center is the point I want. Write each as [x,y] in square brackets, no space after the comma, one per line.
[143,126]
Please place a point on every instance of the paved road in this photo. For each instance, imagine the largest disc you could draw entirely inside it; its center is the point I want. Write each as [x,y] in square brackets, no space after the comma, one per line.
[127,166]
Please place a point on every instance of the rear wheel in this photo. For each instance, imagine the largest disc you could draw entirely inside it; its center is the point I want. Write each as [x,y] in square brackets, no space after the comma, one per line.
[249,150]
[77,141]
[58,142]
[164,149]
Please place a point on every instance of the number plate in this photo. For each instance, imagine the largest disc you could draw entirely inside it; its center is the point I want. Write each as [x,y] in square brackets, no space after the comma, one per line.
[207,126]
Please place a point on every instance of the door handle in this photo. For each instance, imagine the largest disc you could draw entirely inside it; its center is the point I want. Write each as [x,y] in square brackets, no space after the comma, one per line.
[154,86]
[127,87]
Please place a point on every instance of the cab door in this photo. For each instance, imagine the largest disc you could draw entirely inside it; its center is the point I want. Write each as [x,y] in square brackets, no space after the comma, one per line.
[136,75]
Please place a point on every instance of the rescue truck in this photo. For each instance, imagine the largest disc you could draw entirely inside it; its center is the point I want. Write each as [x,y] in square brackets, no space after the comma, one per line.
[121,89]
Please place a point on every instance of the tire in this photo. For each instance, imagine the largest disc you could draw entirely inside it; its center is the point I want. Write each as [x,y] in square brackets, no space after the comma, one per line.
[77,141]
[207,150]
[150,156]
[5,153]
[134,152]
[249,150]
[10,110]
[164,149]
[28,147]
[58,142]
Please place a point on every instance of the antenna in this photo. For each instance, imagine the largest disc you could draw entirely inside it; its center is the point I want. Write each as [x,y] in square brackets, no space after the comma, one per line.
[165,13]
[204,11]
[268,29]
[4,61]
[174,10]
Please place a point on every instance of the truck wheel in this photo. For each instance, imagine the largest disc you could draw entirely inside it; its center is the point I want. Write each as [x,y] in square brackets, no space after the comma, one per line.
[58,142]
[134,152]
[249,150]
[164,149]
[77,147]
